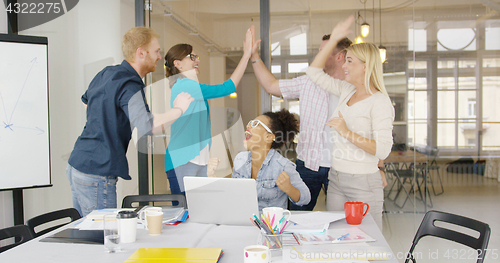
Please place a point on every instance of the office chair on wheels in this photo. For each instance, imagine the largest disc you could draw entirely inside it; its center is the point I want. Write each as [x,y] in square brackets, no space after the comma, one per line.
[428,228]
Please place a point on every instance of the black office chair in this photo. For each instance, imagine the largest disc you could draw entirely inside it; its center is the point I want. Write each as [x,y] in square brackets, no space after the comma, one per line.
[70,213]
[21,233]
[428,228]
[130,199]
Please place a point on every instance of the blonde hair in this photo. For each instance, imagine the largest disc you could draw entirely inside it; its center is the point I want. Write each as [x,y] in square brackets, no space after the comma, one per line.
[134,38]
[370,55]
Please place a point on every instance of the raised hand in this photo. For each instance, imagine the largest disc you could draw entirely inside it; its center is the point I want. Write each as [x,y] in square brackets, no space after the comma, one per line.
[255,44]
[342,29]
[248,43]
[339,124]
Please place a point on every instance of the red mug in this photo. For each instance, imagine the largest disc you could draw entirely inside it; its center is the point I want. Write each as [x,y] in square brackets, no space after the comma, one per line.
[354,212]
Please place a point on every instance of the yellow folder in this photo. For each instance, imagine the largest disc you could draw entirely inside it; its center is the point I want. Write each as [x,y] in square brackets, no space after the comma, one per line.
[189,255]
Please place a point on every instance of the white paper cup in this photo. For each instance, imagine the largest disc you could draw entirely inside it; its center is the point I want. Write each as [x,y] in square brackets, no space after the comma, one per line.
[155,222]
[143,213]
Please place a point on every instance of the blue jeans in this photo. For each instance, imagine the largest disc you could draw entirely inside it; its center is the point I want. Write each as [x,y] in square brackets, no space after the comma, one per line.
[176,176]
[90,192]
[314,180]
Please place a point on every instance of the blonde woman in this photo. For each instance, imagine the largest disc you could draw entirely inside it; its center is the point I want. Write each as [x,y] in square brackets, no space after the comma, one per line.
[361,123]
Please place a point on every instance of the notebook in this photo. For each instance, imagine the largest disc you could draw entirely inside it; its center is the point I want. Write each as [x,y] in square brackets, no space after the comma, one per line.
[71,235]
[228,201]
[166,255]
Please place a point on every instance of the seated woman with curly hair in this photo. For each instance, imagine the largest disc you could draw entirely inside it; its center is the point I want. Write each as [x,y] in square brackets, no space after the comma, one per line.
[277,179]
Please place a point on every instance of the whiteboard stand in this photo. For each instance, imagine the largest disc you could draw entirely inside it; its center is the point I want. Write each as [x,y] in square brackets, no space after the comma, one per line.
[17,197]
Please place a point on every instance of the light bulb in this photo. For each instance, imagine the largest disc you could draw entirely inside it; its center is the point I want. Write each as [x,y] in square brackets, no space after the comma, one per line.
[365,29]
[233,95]
[358,40]
[383,53]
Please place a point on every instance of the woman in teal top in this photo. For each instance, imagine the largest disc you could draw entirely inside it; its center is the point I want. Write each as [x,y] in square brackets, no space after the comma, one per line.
[187,153]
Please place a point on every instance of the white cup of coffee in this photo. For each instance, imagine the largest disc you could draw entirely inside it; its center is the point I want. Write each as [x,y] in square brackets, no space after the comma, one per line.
[277,214]
[155,222]
[145,211]
[256,254]
[127,226]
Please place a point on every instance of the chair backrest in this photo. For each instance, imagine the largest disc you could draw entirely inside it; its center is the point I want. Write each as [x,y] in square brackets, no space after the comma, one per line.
[130,199]
[52,216]
[428,228]
[21,233]
[434,154]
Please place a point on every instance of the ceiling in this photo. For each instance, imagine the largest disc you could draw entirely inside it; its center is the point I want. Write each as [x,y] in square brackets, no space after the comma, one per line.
[207,16]
[222,22]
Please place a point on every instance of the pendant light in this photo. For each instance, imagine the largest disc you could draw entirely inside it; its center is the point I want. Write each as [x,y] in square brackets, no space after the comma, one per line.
[365,27]
[382,50]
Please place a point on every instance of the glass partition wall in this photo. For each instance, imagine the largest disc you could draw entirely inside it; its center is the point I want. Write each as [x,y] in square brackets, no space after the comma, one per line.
[442,74]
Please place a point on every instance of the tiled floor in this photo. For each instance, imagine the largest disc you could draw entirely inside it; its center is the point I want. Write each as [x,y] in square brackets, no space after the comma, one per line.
[469,195]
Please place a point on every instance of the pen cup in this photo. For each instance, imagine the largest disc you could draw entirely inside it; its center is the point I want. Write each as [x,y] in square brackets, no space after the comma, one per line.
[273,242]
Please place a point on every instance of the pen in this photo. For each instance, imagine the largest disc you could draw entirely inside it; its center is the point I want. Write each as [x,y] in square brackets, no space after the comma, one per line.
[343,237]
[253,221]
[266,227]
[270,227]
[283,228]
[256,218]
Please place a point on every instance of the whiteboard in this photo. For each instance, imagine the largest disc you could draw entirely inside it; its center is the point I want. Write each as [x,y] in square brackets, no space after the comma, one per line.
[24,113]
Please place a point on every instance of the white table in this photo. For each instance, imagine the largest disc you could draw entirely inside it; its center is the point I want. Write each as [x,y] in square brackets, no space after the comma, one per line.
[231,238]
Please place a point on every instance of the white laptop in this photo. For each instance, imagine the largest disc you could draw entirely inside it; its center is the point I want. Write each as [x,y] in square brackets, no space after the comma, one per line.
[228,201]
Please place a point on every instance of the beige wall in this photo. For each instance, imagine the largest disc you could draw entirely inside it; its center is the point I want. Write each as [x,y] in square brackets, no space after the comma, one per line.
[79,42]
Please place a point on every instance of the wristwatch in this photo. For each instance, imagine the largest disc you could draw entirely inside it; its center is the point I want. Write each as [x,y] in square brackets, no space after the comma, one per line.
[381,169]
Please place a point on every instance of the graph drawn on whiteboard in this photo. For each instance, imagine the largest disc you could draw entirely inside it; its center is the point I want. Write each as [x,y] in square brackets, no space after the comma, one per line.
[24,137]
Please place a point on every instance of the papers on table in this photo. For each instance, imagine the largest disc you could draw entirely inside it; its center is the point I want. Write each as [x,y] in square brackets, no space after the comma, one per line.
[298,228]
[356,252]
[314,222]
[94,220]
[348,235]
[173,215]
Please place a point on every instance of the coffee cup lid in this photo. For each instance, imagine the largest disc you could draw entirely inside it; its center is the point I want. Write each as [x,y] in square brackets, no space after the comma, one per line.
[127,214]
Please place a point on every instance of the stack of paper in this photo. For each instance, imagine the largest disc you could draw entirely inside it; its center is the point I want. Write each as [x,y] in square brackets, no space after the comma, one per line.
[94,220]
[356,252]
[171,215]
[167,255]
[314,222]
[348,235]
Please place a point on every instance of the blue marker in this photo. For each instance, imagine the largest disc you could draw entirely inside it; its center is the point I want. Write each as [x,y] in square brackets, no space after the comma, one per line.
[343,237]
